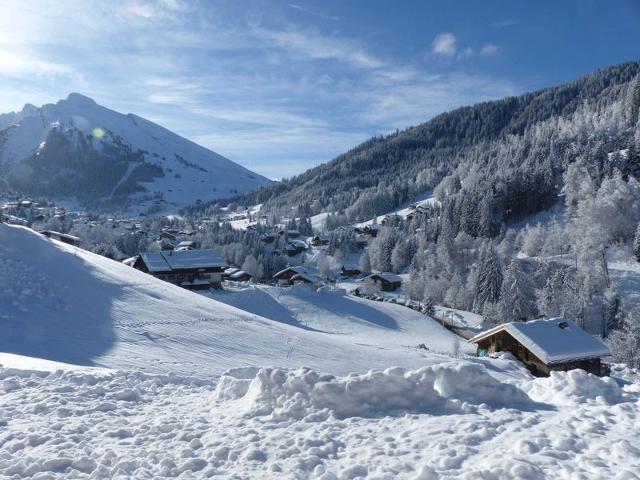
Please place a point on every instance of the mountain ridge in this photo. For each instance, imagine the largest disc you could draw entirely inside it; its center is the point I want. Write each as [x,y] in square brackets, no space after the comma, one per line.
[77,149]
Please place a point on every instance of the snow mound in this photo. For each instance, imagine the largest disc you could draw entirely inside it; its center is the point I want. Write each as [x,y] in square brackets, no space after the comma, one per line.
[575,387]
[306,394]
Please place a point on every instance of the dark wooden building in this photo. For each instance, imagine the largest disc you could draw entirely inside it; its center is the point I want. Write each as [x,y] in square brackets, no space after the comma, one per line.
[545,345]
[387,282]
[192,269]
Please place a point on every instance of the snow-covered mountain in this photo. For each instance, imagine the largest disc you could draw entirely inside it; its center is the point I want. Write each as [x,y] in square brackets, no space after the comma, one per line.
[79,150]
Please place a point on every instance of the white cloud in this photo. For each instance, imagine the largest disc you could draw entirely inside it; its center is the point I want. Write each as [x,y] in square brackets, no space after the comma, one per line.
[489,49]
[314,45]
[15,65]
[445,44]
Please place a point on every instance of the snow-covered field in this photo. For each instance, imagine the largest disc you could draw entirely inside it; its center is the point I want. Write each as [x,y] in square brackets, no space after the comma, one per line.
[150,399]
[451,421]
[65,304]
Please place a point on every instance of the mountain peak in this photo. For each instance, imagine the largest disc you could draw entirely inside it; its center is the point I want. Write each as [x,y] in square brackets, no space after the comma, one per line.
[29,109]
[79,99]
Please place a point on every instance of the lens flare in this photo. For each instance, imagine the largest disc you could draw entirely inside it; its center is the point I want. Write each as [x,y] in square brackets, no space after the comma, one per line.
[97,133]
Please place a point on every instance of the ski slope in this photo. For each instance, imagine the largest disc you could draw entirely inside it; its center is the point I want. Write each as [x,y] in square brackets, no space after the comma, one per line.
[64,304]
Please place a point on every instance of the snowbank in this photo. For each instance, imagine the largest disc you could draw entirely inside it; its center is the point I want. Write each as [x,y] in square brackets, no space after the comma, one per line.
[575,387]
[297,394]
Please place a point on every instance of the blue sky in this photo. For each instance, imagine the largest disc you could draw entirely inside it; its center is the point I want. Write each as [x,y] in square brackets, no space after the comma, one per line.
[280,86]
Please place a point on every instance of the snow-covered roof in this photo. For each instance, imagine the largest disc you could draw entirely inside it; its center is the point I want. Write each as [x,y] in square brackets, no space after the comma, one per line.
[238,274]
[130,261]
[552,340]
[183,259]
[307,277]
[387,277]
[296,269]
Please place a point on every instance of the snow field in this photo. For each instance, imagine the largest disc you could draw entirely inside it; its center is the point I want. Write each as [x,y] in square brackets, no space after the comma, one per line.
[448,421]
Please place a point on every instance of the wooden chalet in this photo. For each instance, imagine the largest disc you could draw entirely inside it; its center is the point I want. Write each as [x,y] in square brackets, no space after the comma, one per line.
[350,272]
[285,277]
[167,236]
[234,274]
[187,245]
[307,278]
[295,247]
[62,237]
[545,345]
[192,269]
[318,241]
[387,282]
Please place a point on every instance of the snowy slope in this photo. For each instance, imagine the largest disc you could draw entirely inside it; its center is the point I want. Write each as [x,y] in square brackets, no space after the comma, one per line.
[190,172]
[64,304]
[449,421]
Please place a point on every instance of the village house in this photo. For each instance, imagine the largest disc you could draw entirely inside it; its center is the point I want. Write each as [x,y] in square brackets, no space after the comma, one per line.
[306,278]
[350,272]
[318,241]
[192,269]
[284,277]
[545,345]
[387,282]
[62,237]
[235,274]
[187,245]
[295,247]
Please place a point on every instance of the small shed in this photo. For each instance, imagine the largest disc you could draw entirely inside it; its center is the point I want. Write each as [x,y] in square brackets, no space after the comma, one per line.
[387,282]
[545,345]
[307,278]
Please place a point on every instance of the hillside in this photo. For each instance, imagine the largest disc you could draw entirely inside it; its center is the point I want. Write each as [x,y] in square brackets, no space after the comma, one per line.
[64,304]
[514,150]
[78,150]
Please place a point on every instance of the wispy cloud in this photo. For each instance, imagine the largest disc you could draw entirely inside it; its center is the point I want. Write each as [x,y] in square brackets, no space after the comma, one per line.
[445,44]
[315,45]
[19,65]
[312,12]
[489,50]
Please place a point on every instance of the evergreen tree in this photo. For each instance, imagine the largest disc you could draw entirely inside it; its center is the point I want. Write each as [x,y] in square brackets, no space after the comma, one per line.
[489,279]
[517,294]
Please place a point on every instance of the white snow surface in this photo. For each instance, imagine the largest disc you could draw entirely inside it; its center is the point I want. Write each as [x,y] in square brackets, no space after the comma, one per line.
[62,303]
[288,406]
[206,175]
[448,421]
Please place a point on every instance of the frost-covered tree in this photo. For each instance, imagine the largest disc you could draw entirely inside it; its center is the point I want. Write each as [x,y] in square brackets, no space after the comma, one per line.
[253,267]
[324,267]
[625,342]
[364,264]
[489,280]
[636,244]
[517,294]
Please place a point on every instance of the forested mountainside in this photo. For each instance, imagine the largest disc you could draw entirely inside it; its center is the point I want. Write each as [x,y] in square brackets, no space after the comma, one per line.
[504,158]
[78,150]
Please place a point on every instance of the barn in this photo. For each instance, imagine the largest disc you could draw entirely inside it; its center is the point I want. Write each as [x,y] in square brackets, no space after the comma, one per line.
[545,345]
[192,269]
